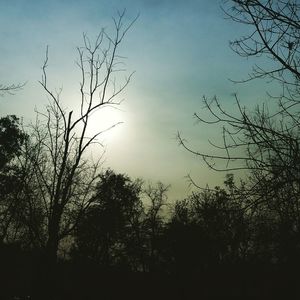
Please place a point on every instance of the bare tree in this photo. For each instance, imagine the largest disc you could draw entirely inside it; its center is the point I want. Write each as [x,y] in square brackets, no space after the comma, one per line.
[250,141]
[262,142]
[62,173]
[273,33]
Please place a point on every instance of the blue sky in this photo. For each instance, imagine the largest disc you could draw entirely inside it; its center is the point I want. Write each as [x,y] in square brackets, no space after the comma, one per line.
[179,51]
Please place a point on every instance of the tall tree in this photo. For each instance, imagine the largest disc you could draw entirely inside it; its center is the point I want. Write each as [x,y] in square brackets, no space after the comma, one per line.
[61,171]
[264,142]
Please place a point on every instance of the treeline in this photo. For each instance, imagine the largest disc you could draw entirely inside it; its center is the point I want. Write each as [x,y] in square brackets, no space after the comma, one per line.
[227,237]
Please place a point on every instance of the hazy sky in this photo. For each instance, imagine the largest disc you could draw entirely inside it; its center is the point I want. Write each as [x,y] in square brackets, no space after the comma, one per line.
[179,51]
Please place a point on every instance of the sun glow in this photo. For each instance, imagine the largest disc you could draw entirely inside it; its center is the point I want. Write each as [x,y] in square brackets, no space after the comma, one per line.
[108,122]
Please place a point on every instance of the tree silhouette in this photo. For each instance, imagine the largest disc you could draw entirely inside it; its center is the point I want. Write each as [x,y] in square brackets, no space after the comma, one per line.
[209,228]
[62,175]
[109,232]
[273,34]
[12,139]
[154,223]
[262,142]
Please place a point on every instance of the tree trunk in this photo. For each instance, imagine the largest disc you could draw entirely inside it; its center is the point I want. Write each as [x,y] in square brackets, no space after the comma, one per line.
[53,238]
[48,281]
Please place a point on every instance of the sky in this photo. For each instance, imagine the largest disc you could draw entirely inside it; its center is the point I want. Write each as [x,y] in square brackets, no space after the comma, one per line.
[179,51]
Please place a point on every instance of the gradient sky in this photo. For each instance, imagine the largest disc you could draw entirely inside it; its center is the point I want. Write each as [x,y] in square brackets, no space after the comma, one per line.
[179,51]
